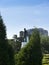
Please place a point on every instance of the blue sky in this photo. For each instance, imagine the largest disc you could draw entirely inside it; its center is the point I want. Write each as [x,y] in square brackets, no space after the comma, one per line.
[20,14]
[21,2]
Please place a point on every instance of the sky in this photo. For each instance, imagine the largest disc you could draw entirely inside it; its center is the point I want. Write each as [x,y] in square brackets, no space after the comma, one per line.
[20,14]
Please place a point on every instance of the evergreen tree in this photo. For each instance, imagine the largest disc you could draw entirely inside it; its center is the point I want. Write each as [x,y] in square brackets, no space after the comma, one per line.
[6,51]
[36,48]
[31,54]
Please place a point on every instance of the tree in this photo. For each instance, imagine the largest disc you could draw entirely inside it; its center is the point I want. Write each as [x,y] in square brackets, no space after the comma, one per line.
[16,44]
[31,54]
[6,51]
[45,44]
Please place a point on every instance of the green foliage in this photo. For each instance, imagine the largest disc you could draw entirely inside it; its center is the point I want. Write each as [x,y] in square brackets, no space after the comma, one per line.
[15,44]
[31,54]
[45,60]
[45,44]
[6,51]
[45,40]
[11,55]
[2,29]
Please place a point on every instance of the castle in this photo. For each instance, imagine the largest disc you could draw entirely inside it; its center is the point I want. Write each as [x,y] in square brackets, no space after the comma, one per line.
[25,35]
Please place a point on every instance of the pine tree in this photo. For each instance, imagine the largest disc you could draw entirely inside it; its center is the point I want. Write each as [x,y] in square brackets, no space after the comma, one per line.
[6,51]
[36,48]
